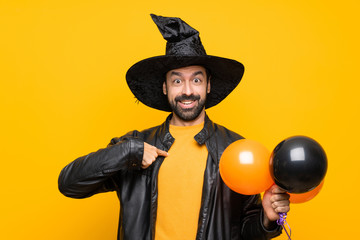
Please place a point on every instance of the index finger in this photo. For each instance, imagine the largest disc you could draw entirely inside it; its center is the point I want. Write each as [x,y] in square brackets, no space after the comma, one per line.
[161,152]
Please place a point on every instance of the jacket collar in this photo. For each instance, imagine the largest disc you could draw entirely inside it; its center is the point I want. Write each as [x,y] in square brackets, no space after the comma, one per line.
[167,139]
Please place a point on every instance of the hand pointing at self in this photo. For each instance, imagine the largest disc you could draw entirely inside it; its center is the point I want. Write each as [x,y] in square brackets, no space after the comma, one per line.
[150,155]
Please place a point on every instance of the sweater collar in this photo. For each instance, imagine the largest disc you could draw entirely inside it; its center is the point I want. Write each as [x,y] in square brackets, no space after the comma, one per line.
[167,139]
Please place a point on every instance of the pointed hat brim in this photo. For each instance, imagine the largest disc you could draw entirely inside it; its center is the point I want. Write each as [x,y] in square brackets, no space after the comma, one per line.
[145,78]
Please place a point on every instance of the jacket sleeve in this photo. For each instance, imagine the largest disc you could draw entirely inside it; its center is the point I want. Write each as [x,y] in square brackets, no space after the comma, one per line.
[252,225]
[92,173]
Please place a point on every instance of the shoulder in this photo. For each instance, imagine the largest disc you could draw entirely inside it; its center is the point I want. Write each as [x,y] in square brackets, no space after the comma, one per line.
[224,133]
[143,135]
[221,138]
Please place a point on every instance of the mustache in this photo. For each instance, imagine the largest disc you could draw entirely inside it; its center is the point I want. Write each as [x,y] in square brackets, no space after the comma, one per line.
[183,97]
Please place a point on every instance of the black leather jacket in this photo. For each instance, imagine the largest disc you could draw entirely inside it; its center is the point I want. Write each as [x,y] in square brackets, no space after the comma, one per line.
[224,214]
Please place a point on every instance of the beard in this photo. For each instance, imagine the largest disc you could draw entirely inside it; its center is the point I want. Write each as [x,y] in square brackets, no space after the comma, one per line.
[187,114]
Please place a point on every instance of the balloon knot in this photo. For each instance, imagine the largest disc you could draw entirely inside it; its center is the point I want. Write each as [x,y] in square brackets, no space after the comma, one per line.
[282,222]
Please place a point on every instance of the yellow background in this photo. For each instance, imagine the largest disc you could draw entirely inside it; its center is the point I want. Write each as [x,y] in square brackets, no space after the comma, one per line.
[63,95]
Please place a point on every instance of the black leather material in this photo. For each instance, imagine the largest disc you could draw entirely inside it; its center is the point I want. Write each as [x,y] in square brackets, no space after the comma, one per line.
[224,214]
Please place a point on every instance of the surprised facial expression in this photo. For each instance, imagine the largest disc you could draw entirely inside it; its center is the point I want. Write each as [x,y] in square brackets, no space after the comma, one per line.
[186,89]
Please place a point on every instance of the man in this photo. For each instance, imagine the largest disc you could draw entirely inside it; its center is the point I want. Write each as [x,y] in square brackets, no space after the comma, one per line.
[167,177]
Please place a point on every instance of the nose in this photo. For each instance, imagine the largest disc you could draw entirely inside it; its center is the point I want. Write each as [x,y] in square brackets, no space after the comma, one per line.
[187,88]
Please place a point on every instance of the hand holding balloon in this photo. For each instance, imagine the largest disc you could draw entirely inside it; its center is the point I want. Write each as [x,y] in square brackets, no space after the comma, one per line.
[297,165]
[244,167]
[275,201]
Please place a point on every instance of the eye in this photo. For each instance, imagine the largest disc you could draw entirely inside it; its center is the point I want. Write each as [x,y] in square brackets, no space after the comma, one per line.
[197,80]
[177,81]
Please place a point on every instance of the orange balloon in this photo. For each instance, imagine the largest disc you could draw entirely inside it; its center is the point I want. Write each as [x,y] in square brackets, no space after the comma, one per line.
[304,197]
[244,167]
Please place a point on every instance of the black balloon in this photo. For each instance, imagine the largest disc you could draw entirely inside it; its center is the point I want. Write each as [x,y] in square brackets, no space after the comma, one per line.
[298,164]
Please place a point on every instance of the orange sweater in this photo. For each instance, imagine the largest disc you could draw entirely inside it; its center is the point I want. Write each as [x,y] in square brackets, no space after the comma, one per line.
[180,185]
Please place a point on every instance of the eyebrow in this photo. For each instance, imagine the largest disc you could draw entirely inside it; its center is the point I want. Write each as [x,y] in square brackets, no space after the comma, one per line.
[180,74]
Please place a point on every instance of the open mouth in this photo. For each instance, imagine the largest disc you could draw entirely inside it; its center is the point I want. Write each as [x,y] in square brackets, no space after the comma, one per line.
[187,103]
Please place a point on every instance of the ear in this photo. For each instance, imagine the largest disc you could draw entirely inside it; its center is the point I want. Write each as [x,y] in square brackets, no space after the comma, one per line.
[164,88]
[208,86]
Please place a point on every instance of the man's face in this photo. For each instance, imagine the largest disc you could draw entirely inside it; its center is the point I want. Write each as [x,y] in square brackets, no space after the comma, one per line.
[186,89]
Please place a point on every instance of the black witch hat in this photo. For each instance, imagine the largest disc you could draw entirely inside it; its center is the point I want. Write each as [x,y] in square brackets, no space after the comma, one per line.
[183,48]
